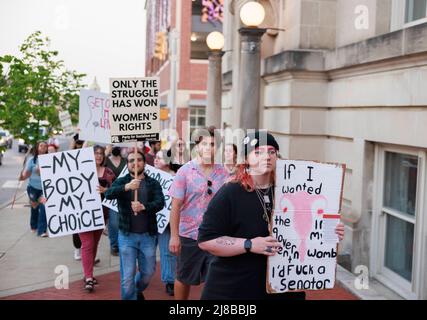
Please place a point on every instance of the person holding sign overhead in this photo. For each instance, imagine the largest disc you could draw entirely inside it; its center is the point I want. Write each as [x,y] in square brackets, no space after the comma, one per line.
[137,226]
[235,227]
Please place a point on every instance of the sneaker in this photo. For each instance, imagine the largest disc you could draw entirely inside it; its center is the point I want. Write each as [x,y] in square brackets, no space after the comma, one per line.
[44,235]
[89,285]
[33,230]
[170,289]
[77,254]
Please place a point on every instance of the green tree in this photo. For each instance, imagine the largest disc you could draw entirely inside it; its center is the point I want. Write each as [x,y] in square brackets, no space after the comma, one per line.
[34,88]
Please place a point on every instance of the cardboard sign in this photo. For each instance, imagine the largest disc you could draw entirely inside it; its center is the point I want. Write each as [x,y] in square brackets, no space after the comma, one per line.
[306,212]
[69,182]
[67,126]
[135,109]
[94,121]
[165,179]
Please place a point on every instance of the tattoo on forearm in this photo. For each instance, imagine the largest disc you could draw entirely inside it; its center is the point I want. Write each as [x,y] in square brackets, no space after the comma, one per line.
[226,241]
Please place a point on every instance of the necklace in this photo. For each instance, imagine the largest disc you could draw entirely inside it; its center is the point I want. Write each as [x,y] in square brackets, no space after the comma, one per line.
[264,199]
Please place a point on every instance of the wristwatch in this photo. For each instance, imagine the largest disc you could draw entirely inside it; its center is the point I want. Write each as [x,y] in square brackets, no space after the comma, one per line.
[248,245]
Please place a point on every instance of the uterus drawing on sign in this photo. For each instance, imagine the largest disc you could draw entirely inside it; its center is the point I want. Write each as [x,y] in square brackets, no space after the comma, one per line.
[305,209]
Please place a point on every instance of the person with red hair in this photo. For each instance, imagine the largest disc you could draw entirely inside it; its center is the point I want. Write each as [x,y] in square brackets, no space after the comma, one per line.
[235,227]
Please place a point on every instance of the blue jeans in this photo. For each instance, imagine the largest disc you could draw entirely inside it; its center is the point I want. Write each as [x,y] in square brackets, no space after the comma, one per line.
[133,248]
[38,214]
[113,228]
[167,259]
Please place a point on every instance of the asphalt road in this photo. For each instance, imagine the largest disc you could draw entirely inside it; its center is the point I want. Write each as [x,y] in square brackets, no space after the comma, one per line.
[10,169]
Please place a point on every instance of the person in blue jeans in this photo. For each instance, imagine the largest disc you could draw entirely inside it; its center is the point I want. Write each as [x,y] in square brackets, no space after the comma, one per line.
[137,226]
[113,232]
[116,163]
[35,192]
[167,259]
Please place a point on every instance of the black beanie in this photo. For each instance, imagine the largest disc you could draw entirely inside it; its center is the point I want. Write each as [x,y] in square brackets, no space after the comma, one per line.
[258,138]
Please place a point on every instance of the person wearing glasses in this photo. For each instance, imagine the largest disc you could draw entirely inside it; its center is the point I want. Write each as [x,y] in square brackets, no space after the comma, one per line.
[193,188]
[137,226]
[235,227]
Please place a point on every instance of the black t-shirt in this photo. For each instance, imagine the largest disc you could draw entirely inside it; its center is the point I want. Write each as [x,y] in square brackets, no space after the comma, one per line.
[235,212]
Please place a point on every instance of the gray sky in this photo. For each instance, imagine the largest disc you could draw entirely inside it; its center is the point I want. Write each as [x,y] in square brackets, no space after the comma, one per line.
[102,38]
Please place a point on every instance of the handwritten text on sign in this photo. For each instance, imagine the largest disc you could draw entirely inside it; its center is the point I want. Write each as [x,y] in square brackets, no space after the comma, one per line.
[307,206]
[70,183]
[165,179]
[135,109]
[94,110]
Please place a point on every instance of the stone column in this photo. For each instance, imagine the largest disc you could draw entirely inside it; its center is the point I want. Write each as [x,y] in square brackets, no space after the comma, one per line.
[249,77]
[213,110]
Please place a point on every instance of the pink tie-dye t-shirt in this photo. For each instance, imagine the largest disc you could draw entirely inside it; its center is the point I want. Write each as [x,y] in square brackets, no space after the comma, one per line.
[191,186]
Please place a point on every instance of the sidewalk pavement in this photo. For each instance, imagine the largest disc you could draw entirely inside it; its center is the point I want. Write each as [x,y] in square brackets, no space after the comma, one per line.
[28,262]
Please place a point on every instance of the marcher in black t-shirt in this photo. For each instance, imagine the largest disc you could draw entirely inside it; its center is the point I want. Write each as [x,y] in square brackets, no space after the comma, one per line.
[235,227]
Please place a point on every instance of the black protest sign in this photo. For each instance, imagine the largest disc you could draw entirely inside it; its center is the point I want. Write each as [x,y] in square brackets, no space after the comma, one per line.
[69,182]
[134,109]
[307,210]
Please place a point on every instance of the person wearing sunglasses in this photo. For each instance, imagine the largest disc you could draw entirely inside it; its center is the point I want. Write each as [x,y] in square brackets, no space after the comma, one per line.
[235,227]
[137,225]
[193,188]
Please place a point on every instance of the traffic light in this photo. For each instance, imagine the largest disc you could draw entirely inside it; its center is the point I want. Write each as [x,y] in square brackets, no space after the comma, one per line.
[161,48]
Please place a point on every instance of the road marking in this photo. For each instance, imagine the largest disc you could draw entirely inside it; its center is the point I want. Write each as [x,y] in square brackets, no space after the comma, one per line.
[12,184]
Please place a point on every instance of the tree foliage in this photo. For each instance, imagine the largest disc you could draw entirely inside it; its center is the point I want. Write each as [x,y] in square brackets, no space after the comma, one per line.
[34,87]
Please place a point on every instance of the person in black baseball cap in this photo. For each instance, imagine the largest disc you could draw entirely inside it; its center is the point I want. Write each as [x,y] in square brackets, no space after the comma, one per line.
[236,226]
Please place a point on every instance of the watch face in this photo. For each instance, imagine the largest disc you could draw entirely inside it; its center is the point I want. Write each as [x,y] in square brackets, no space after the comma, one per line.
[248,244]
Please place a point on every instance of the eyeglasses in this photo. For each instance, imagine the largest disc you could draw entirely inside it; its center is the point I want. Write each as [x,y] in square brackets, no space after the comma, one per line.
[209,187]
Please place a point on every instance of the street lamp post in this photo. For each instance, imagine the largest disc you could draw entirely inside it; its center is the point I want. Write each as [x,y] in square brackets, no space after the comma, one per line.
[215,42]
[252,15]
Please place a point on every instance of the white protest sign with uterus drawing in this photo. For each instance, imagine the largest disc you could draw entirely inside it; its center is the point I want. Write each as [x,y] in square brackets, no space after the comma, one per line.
[70,181]
[94,122]
[306,212]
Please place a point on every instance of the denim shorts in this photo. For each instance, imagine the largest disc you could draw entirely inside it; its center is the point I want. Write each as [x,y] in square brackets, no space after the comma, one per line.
[34,194]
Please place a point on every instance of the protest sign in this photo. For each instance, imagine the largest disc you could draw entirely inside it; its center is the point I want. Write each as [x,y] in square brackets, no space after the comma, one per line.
[135,109]
[67,126]
[69,182]
[94,122]
[165,179]
[306,212]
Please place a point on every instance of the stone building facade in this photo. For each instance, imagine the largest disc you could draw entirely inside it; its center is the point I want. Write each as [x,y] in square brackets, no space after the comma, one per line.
[347,82]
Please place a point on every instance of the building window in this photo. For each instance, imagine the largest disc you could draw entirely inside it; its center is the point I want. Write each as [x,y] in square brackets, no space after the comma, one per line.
[206,17]
[397,254]
[399,200]
[415,10]
[197,118]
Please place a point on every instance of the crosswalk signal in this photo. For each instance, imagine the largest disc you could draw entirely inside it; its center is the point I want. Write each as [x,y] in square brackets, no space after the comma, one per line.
[160,49]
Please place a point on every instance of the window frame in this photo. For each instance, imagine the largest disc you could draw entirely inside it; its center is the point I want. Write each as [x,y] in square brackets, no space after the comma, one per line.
[398,14]
[407,289]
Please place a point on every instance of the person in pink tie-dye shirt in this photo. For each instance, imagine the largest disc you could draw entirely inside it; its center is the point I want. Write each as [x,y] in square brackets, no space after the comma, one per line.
[194,186]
